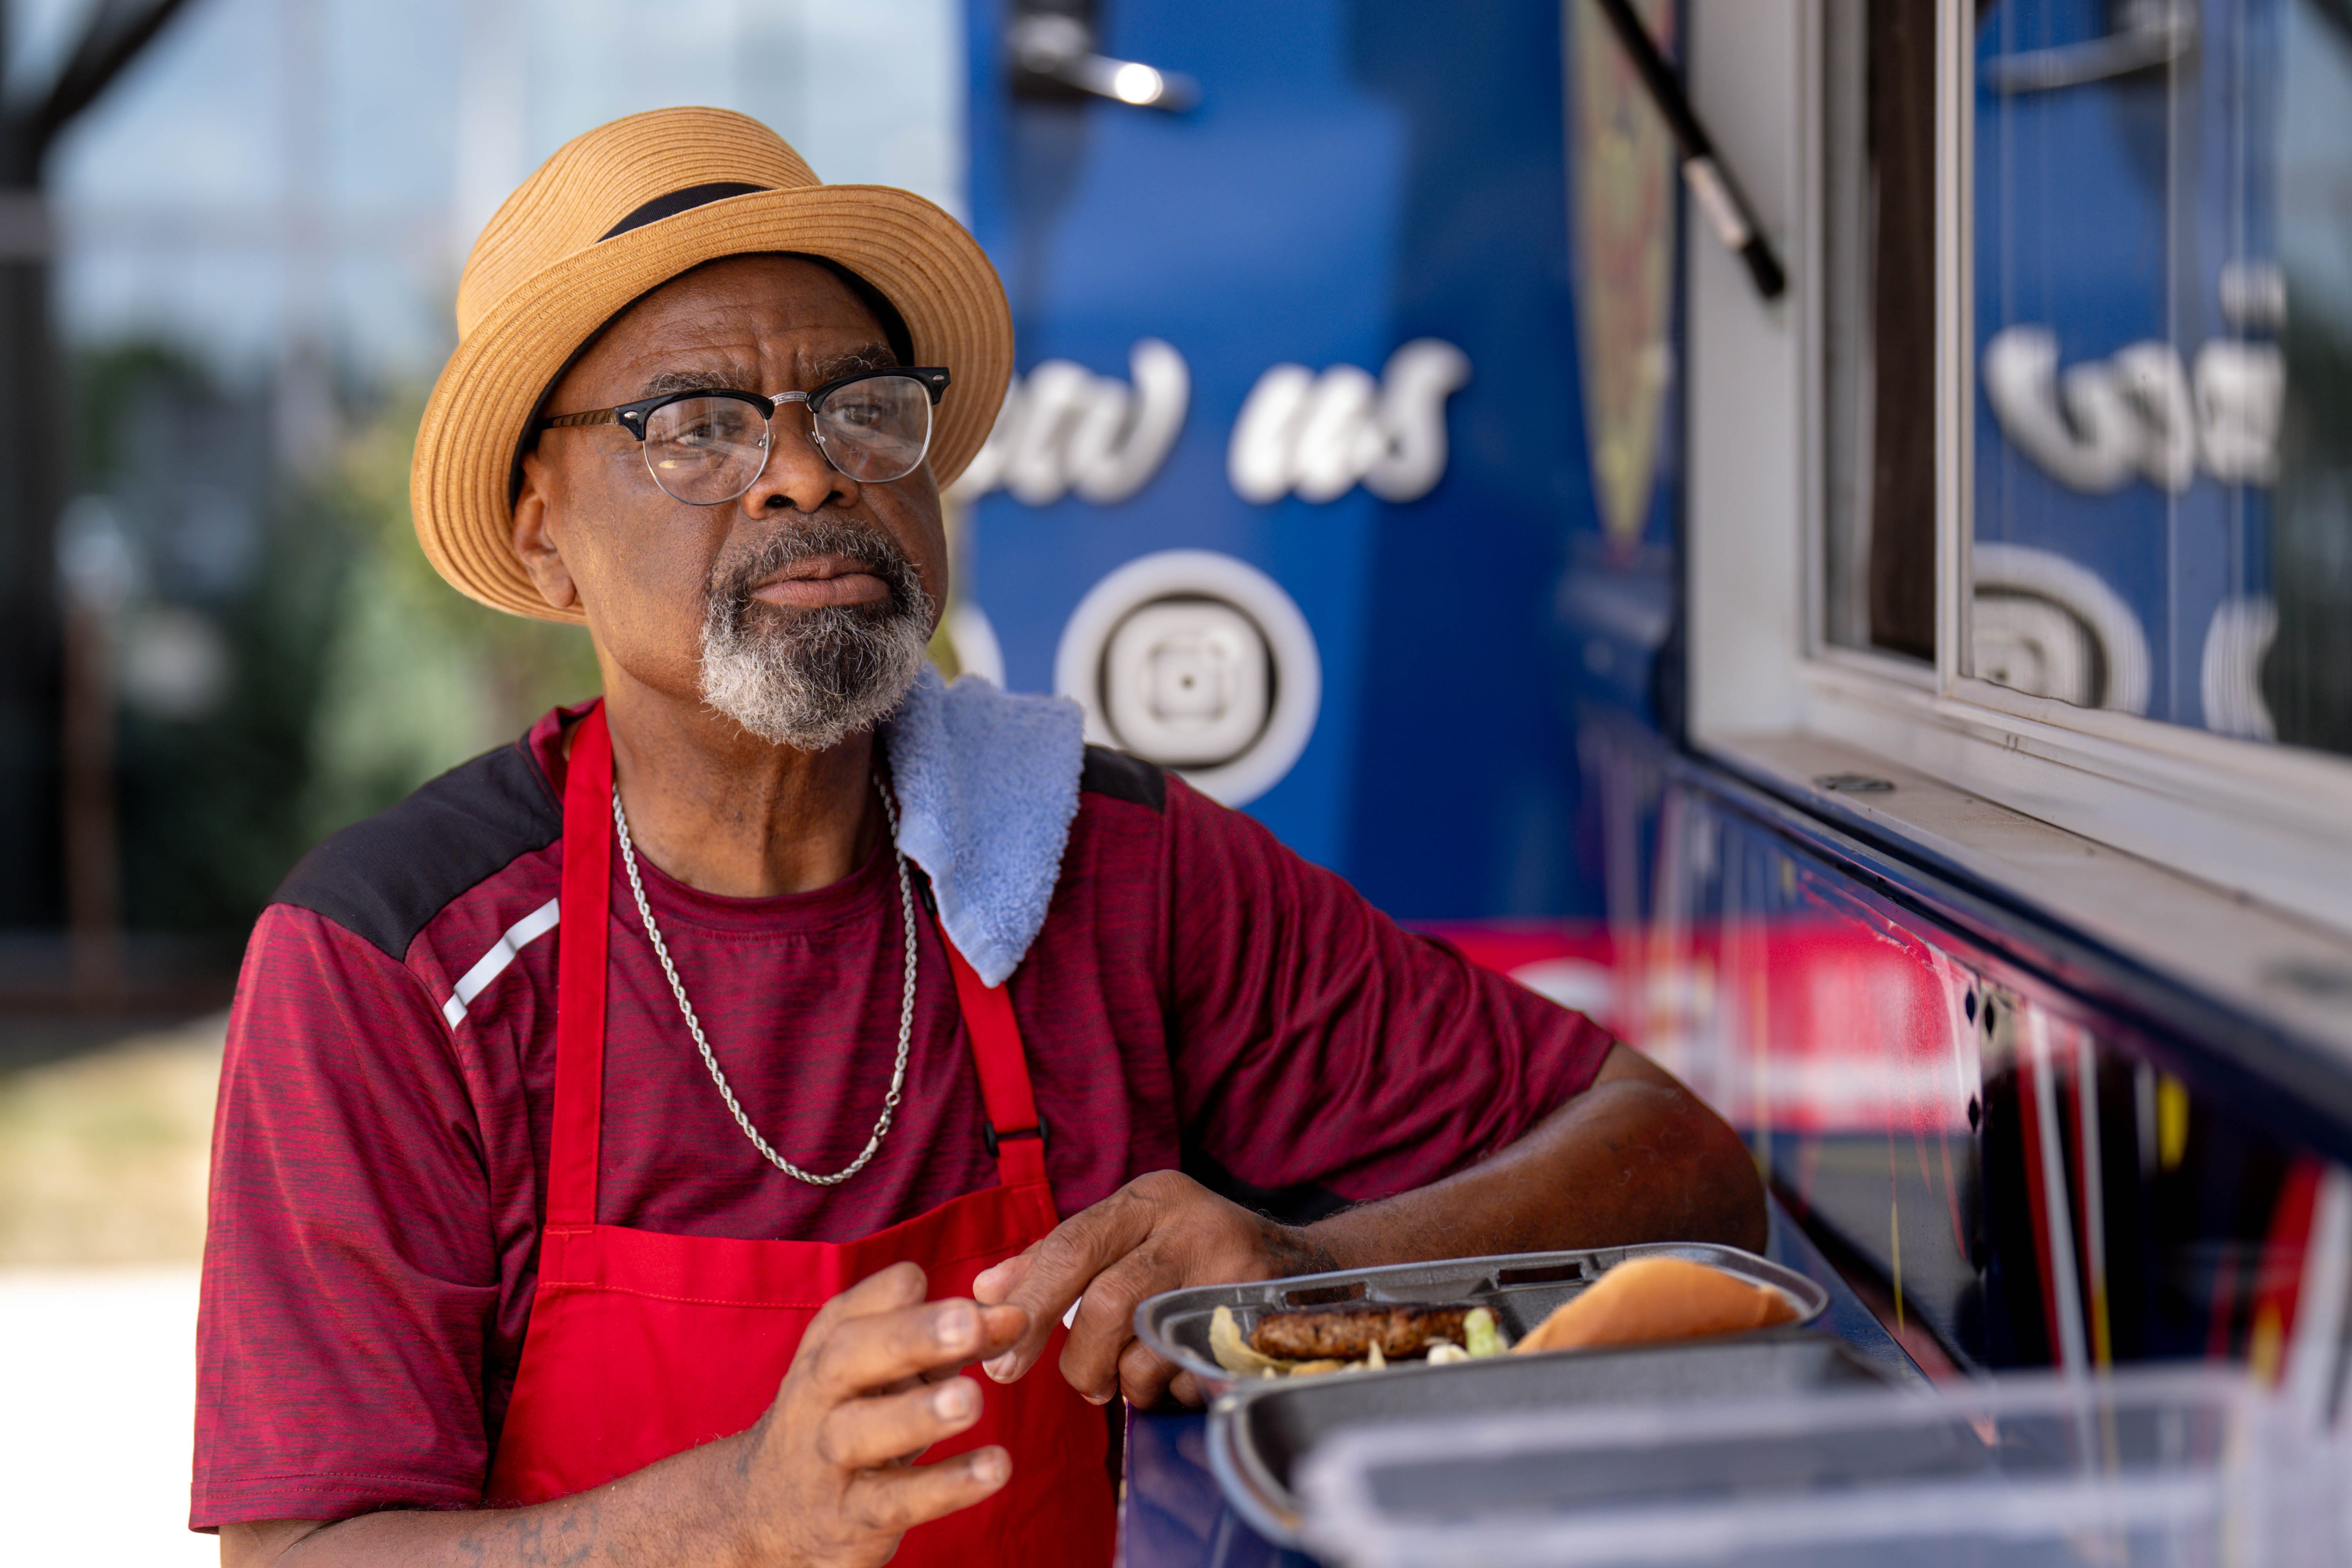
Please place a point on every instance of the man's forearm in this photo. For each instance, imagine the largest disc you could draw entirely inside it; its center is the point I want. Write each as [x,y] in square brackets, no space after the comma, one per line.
[1636,1157]
[684,1510]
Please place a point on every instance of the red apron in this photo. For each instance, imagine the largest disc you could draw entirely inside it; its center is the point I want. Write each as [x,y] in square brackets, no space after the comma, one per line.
[643,1344]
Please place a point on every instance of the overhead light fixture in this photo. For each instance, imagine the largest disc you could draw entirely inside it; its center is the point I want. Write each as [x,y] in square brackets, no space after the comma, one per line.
[1053,44]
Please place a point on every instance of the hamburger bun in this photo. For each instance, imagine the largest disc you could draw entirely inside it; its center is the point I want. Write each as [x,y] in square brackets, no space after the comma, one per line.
[1643,1300]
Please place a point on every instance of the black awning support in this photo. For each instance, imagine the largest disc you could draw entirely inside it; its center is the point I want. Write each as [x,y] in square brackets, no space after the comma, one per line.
[1728,212]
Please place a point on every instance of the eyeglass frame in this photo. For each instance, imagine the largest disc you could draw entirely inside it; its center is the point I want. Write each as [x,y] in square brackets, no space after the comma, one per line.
[633,416]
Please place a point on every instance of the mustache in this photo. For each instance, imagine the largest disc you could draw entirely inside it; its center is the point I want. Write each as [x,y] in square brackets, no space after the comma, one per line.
[732,582]
[808,678]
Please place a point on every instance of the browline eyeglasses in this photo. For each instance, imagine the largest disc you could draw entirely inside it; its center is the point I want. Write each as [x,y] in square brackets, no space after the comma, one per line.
[708,446]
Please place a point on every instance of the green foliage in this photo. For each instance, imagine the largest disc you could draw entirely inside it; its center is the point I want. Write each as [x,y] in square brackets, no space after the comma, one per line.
[356,673]
[419,677]
[207,801]
[208,806]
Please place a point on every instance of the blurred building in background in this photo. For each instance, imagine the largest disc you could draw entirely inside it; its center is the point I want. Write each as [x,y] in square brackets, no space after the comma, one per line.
[255,235]
[222,640]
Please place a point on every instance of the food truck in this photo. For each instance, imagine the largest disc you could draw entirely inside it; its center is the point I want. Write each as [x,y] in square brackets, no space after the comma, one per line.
[1832,553]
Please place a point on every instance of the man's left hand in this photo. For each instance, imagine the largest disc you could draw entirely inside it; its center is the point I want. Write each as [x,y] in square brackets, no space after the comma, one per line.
[1160,1232]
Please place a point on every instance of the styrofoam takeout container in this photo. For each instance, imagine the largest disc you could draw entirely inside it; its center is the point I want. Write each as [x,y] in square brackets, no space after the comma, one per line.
[1262,1433]
[1521,1289]
[2182,1468]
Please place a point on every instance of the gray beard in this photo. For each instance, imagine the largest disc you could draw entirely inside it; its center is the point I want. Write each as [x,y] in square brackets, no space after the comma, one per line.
[811,678]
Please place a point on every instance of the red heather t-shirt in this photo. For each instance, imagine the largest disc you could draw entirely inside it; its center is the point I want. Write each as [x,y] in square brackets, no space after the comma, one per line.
[1199,997]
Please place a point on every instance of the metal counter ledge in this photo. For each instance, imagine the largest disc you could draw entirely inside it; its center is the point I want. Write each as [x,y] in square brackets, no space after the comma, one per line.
[1170,1514]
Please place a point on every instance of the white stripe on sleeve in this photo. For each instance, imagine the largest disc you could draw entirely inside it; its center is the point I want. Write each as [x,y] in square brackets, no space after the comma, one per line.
[493,964]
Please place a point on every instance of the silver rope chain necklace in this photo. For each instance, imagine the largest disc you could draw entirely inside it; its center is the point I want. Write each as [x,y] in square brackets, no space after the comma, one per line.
[694,1026]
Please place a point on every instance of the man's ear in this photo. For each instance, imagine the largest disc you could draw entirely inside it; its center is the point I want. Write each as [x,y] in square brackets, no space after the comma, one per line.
[534,539]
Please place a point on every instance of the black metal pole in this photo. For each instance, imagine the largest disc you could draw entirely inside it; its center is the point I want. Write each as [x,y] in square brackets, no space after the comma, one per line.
[1728,212]
[33,472]
[31,476]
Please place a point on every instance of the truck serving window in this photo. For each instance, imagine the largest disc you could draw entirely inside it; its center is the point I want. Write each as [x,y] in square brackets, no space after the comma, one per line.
[2163,350]
[1878,321]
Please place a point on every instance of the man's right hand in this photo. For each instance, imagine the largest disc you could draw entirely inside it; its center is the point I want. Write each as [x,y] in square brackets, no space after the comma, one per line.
[827,1478]
[830,1468]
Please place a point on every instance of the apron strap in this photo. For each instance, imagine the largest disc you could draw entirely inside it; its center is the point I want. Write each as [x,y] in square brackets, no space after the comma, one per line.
[587,923]
[1017,1133]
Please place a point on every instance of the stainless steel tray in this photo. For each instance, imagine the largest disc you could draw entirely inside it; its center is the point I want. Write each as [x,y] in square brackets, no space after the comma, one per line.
[1261,1432]
[1521,1288]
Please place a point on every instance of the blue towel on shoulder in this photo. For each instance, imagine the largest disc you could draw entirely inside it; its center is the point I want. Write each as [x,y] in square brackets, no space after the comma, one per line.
[988,786]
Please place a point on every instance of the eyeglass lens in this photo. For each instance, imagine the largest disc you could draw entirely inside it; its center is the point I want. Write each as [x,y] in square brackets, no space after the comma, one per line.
[706,450]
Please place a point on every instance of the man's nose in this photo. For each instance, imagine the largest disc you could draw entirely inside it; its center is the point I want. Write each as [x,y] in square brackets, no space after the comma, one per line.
[797,474]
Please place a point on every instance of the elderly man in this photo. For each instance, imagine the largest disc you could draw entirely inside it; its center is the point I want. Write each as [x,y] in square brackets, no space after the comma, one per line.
[626,1143]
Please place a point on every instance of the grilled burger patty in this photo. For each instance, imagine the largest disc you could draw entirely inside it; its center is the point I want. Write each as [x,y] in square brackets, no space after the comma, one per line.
[1349,1333]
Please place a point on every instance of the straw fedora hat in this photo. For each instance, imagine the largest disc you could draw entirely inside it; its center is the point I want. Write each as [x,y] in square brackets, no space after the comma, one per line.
[621,210]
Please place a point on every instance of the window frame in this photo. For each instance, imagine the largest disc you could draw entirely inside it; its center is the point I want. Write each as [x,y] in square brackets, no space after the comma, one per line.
[2252,819]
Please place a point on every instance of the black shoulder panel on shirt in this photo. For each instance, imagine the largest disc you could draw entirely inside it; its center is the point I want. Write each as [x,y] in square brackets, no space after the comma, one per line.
[1122,777]
[385,877]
